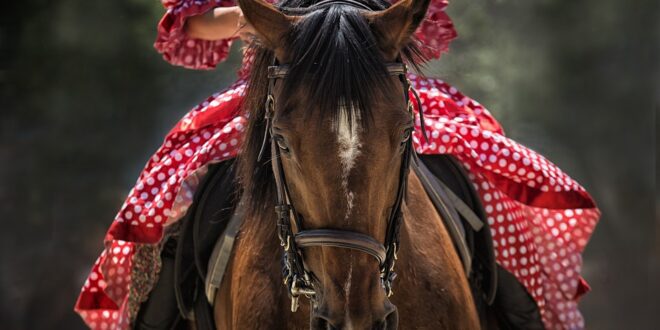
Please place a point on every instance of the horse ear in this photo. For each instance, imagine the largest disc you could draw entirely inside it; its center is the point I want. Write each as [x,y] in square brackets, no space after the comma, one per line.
[394,26]
[271,25]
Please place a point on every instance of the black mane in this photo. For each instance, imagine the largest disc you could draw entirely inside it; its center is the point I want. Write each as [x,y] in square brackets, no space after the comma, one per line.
[335,57]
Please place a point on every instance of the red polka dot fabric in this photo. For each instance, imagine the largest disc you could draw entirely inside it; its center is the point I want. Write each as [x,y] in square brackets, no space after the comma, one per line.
[540,218]
[434,34]
[179,49]
[436,31]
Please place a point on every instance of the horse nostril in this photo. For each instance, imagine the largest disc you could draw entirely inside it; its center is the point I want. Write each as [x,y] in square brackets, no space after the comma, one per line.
[391,320]
[387,319]
[319,322]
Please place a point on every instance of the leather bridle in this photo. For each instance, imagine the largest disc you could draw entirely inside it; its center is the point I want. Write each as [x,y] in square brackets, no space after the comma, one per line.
[293,238]
[297,278]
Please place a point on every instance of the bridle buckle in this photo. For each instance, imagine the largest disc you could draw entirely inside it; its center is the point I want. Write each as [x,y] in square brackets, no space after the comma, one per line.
[296,291]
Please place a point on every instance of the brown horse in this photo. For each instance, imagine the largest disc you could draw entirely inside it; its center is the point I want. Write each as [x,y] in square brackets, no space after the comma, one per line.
[339,126]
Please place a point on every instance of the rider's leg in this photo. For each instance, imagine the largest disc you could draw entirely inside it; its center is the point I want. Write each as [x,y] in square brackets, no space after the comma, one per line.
[160,310]
[203,223]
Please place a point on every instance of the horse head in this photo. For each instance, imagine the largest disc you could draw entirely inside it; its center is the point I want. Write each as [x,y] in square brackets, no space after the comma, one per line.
[337,131]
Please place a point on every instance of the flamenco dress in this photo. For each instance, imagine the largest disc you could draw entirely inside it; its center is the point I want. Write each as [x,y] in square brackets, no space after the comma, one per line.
[540,218]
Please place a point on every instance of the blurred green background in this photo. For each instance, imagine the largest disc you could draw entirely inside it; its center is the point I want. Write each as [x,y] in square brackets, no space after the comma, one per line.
[85,100]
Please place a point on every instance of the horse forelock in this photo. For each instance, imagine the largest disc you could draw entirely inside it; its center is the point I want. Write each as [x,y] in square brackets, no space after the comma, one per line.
[336,64]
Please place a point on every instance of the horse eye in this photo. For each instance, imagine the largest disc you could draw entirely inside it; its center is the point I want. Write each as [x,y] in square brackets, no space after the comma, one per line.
[281,144]
[406,135]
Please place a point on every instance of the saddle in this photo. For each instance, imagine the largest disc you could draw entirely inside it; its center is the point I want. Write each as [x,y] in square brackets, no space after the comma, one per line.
[198,256]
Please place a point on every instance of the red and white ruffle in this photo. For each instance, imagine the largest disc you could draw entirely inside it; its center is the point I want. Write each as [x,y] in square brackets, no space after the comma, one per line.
[540,218]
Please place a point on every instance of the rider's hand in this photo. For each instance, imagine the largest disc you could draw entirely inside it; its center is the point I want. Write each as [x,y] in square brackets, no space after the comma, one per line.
[219,23]
[245,30]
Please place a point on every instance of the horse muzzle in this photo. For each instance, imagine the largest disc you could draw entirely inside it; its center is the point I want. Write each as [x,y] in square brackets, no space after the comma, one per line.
[381,319]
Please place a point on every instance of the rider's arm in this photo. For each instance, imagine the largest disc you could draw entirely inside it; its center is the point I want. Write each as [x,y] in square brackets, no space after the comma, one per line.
[219,23]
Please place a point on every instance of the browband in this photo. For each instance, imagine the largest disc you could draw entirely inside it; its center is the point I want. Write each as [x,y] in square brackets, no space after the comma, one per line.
[280,71]
[351,3]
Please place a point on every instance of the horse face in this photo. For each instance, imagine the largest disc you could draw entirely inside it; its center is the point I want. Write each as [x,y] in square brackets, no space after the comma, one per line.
[342,168]
[344,176]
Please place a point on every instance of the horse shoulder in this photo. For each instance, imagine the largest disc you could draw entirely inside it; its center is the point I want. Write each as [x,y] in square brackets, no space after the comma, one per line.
[432,289]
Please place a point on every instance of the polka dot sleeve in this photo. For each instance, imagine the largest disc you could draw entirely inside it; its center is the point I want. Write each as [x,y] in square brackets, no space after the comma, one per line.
[181,50]
[436,31]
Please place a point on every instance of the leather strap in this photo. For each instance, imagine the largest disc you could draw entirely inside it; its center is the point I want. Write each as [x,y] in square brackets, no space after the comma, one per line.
[351,3]
[342,239]
[463,209]
[221,254]
[280,71]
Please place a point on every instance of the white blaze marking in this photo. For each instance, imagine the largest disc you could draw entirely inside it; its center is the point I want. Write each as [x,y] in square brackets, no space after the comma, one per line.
[347,288]
[348,140]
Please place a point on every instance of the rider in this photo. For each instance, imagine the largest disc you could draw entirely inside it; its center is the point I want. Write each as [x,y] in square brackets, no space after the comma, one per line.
[540,218]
